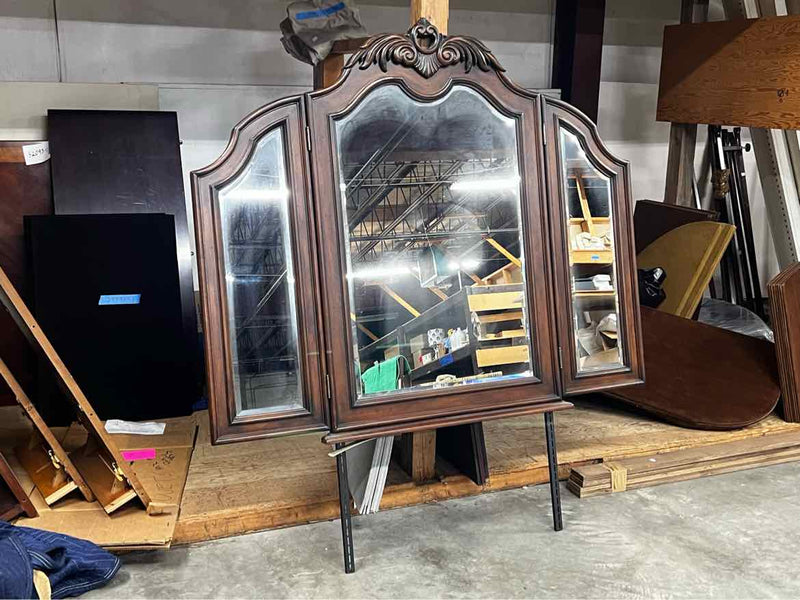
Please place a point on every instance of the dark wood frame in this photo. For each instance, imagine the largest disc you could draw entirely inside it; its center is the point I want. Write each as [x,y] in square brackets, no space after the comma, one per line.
[475,402]
[426,65]
[559,114]
[226,426]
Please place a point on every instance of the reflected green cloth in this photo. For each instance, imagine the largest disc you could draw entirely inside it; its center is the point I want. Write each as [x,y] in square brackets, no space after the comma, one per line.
[383,376]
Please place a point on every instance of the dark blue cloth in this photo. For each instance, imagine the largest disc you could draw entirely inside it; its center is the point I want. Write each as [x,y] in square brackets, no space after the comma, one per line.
[73,566]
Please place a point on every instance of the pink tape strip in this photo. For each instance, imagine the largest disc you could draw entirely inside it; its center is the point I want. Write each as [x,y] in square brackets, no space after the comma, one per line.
[143,454]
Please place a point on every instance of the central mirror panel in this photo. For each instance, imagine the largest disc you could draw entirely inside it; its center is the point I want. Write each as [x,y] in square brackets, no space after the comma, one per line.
[430,193]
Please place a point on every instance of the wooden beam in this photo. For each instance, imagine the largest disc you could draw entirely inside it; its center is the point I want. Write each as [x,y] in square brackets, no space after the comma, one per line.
[436,11]
[397,298]
[366,331]
[496,245]
[679,183]
[738,72]
[327,71]
[578,51]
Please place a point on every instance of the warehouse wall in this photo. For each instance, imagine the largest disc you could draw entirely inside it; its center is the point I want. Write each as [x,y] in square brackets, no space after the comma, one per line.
[213,61]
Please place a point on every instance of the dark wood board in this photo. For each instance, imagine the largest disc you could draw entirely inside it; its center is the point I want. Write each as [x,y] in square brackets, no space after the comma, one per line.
[784,298]
[464,446]
[652,219]
[25,191]
[125,162]
[701,376]
[130,359]
[743,72]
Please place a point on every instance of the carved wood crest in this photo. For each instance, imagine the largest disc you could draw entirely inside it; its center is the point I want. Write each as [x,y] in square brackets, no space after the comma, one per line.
[425,50]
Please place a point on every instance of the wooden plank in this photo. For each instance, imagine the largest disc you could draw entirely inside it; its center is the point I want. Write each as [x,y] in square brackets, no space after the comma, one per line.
[53,478]
[229,492]
[679,187]
[417,455]
[511,315]
[436,11]
[102,487]
[27,190]
[686,464]
[577,52]
[494,301]
[689,254]
[591,257]
[397,298]
[784,297]
[497,246]
[14,501]
[739,72]
[504,355]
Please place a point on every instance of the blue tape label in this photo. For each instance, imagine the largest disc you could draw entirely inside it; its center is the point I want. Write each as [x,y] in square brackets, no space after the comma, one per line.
[322,12]
[116,299]
[446,359]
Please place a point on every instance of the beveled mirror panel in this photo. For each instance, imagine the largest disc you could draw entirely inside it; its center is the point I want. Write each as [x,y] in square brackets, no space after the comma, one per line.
[594,282]
[254,214]
[430,193]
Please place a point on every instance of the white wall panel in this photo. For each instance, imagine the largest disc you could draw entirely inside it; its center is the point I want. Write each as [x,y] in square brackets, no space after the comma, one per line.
[23,106]
[28,47]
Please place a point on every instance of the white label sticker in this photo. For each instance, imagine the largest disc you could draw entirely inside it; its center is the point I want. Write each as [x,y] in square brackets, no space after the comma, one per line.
[36,153]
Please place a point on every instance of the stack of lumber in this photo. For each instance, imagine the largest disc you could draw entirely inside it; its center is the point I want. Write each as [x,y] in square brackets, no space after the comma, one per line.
[682,465]
[784,297]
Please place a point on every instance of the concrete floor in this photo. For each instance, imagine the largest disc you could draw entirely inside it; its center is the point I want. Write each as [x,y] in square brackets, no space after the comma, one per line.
[731,536]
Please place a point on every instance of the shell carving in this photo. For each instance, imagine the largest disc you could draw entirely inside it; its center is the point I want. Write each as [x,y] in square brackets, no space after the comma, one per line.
[425,50]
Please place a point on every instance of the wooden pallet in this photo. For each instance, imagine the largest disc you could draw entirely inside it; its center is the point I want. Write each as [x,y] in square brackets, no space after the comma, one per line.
[239,488]
[682,465]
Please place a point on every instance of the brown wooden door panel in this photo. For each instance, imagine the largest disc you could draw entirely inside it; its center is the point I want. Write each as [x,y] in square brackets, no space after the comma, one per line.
[593,254]
[258,284]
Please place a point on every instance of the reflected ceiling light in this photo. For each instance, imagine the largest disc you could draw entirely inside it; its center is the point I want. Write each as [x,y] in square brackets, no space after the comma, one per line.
[386,272]
[265,195]
[481,185]
[464,265]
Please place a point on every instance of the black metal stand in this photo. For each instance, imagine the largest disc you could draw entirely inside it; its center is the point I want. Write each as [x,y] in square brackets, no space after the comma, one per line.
[344,512]
[552,463]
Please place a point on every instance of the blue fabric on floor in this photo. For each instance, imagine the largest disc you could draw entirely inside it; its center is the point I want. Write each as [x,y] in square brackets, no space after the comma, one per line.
[72,565]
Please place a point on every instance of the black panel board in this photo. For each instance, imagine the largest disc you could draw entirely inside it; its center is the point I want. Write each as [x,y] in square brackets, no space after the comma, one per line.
[129,356]
[108,162]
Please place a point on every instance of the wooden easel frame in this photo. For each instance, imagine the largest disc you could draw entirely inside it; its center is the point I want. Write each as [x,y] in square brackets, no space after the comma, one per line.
[10,489]
[43,457]
[109,476]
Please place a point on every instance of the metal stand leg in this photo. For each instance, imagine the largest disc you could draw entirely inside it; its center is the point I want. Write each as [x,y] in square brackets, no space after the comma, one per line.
[552,463]
[344,512]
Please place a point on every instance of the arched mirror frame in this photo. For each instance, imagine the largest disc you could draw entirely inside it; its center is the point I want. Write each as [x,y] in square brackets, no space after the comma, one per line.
[427,73]
[427,66]
[559,115]
[227,424]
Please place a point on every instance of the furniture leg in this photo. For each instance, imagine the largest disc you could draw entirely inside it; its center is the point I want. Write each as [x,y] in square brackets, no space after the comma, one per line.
[344,512]
[552,462]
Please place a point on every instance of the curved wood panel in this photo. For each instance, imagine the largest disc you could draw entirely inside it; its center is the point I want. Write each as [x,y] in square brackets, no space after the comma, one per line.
[689,255]
[703,377]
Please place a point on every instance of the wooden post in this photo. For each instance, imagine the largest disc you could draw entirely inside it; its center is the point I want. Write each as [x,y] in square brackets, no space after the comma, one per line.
[577,52]
[436,11]
[679,185]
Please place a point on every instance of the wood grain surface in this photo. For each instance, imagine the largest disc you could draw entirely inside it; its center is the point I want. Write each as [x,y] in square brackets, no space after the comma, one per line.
[743,72]
[25,191]
[231,491]
[702,376]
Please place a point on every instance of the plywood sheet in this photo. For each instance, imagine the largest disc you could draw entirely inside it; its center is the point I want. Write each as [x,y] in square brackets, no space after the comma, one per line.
[742,72]
[130,527]
[249,486]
